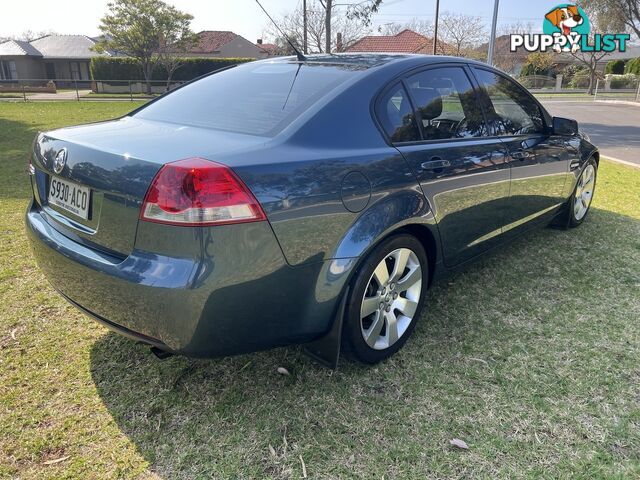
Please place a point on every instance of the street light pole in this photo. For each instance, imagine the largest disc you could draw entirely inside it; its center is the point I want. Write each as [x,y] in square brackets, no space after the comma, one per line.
[435,29]
[304,26]
[492,40]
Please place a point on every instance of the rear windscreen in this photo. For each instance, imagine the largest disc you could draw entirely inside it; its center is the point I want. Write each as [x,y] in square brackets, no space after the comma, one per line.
[257,99]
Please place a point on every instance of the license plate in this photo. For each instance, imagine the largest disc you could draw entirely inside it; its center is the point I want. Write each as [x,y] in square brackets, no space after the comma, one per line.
[70,196]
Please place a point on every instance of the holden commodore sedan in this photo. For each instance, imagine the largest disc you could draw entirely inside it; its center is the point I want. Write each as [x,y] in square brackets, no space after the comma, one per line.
[299,201]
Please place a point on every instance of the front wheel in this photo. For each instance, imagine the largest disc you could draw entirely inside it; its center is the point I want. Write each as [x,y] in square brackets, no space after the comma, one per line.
[580,201]
[386,299]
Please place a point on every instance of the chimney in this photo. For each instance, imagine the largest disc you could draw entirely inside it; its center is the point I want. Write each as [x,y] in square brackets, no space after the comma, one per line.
[339,42]
[259,42]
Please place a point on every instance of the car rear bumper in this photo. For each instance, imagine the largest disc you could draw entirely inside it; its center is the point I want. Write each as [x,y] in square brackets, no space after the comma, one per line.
[205,292]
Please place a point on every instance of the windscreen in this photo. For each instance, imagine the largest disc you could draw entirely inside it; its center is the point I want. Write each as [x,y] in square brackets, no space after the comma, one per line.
[257,99]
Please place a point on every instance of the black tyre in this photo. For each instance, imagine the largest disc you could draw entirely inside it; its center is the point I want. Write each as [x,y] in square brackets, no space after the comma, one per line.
[387,296]
[580,200]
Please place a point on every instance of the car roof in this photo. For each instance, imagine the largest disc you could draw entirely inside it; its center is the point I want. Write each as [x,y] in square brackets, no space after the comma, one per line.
[362,61]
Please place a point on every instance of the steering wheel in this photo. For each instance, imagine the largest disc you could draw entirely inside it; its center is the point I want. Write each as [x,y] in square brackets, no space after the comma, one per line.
[461,124]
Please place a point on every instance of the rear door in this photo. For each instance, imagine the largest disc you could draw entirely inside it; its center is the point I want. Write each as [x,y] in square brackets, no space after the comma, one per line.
[441,131]
[538,159]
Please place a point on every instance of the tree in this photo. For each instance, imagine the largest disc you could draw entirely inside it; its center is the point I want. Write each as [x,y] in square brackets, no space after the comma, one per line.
[291,24]
[538,63]
[176,37]
[599,23]
[138,28]
[615,14]
[28,35]
[462,32]
[361,11]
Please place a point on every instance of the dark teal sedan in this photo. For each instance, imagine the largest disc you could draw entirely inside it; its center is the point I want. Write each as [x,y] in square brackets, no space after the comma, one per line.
[285,202]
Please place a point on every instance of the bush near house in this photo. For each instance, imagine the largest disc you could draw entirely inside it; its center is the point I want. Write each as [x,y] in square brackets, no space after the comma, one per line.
[628,80]
[615,67]
[633,66]
[539,64]
[579,78]
[126,68]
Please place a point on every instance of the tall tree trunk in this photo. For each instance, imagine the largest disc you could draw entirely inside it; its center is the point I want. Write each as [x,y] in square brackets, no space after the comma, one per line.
[592,78]
[148,71]
[327,25]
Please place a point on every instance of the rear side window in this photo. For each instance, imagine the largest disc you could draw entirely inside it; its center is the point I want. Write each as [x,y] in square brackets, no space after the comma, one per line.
[257,99]
[514,111]
[446,104]
[396,115]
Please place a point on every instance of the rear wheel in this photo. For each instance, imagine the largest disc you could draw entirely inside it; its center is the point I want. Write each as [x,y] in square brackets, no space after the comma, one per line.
[386,299]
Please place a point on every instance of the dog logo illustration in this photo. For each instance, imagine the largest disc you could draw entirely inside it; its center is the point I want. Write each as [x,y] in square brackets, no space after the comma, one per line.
[566,20]
[566,28]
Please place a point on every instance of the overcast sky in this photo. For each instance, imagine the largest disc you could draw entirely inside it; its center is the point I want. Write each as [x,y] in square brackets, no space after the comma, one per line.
[244,16]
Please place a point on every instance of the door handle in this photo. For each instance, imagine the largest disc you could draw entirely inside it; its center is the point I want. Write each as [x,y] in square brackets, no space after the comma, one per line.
[520,154]
[435,163]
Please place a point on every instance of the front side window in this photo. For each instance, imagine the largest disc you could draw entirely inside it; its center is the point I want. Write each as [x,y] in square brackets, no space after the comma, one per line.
[396,116]
[514,112]
[446,104]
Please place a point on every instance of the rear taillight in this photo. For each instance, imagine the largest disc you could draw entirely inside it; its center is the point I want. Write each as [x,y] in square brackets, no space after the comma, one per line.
[199,192]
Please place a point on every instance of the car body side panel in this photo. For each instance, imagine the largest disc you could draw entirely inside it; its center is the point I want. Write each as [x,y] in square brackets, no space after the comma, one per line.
[301,182]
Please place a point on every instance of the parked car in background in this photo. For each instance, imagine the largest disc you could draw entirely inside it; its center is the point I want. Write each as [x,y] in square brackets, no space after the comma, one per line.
[260,205]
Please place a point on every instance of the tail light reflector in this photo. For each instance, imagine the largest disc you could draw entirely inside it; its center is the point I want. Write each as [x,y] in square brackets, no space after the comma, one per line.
[196,191]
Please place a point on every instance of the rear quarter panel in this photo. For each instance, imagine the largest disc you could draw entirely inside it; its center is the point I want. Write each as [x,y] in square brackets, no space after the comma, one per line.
[301,181]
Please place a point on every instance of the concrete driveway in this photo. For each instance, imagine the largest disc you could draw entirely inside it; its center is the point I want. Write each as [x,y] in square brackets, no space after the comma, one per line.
[614,128]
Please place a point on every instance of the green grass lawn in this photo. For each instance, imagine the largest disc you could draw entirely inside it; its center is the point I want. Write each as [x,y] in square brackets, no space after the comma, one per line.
[531,356]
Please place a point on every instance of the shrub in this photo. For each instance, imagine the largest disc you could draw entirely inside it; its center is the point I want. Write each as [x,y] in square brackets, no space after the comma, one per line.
[126,68]
[580,79]
[628,80]
[633,66]
[615,66]
[538,64]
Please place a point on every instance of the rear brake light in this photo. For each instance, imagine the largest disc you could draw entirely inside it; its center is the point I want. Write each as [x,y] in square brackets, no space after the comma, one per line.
[199,192]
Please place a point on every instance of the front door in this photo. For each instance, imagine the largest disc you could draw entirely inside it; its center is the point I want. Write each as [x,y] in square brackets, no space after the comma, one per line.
[538,159]
[464,174]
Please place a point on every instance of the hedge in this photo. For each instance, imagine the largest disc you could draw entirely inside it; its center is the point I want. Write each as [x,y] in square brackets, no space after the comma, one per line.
[624,81]
[126,68]
[633,66]
[615,66]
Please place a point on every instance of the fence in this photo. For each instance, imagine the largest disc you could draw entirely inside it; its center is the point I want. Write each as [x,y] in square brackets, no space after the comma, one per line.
[576,87]
[76,89]
[618,88]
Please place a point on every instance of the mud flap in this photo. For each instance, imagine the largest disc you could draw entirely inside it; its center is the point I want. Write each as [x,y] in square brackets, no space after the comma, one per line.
[326,349]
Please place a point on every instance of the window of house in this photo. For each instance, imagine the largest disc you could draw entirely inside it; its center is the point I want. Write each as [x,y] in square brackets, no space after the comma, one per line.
[75,70]
[8,70]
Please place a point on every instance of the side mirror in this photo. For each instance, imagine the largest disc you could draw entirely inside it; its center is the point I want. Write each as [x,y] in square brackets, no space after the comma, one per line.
[565,126]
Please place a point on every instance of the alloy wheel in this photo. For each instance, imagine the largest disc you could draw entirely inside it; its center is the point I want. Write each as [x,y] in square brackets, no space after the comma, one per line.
[391,299]
[584,192]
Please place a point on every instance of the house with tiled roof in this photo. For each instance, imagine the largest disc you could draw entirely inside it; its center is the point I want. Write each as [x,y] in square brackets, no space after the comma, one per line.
[224,44]
[406,41]
[52,57]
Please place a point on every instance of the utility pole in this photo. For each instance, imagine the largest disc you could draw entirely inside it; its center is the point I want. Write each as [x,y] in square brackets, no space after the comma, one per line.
[327,26]
[435,29]
[492,40]
[304,26]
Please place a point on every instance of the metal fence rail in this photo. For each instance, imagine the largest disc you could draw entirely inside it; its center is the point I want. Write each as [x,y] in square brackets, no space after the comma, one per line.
[618,88]
[34,89]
